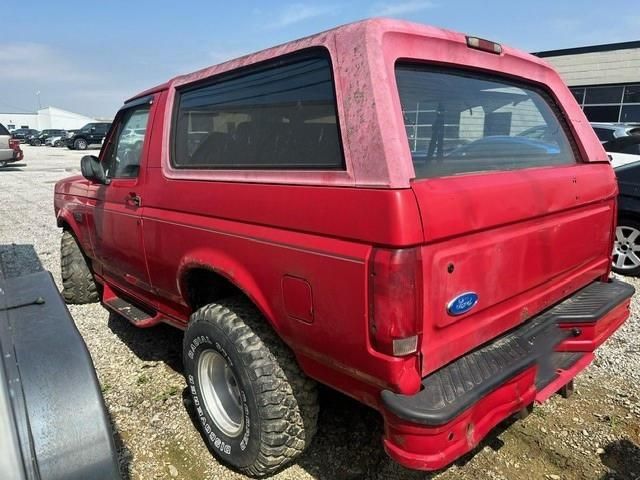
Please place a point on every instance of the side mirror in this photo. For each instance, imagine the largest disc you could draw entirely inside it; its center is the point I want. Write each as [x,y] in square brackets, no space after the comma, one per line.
[92,170]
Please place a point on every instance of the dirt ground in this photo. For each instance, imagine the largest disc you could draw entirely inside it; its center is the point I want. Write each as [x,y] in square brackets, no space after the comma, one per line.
[593,435]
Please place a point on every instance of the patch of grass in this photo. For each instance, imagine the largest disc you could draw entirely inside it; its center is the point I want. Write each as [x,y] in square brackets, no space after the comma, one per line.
[168,393]
[104,388]
[142,379]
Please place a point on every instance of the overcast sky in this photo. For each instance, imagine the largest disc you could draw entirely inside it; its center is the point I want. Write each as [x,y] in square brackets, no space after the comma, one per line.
[88,56]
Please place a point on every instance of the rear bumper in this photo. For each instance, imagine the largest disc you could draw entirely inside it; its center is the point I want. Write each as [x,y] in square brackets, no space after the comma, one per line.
[10,156]
[462,402]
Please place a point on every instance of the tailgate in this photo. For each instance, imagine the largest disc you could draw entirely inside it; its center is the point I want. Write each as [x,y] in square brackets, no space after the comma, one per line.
[521,241]
[517,214]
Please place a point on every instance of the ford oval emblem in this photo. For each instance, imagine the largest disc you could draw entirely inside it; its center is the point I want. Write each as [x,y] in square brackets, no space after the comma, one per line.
[462,303]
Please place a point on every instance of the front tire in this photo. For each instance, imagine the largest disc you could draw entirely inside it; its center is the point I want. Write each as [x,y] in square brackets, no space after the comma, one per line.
[80,144]
[79,286]
[626,248]
[256,410]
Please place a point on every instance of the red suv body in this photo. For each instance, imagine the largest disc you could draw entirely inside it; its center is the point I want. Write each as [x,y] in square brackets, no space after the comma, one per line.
[374,192]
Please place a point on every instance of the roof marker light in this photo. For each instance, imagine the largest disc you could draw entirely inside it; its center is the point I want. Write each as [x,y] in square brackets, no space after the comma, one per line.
[484,45]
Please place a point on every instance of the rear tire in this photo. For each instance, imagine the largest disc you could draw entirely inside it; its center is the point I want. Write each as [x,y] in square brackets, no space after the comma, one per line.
[80,144]
[626,248]
[261,413]
[79,286]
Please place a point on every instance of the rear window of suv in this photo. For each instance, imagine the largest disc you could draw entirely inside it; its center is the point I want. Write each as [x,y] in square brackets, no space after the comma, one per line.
[3,131]
[459,122]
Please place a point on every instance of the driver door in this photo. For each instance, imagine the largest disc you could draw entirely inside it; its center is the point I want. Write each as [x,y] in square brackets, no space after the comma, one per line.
[117,216]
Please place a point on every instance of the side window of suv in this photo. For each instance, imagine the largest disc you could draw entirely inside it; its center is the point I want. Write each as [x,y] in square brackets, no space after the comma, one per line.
[124,152]
[281,116]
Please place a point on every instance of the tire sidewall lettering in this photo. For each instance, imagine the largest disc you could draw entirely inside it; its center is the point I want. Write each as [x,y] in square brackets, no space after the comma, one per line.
[216,439]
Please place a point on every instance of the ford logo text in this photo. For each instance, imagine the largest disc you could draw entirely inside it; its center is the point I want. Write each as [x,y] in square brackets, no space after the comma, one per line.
[462,303]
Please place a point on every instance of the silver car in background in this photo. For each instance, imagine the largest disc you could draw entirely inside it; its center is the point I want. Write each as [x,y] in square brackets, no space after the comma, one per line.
[9,148]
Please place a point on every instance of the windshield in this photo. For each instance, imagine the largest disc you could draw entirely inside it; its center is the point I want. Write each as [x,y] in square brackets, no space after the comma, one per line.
[457,122]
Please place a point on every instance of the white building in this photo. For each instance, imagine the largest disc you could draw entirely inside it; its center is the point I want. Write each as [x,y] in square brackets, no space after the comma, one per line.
[49,117]
[605,79]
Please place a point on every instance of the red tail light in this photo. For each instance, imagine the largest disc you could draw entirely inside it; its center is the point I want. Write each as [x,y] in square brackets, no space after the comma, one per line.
[14,144]
[394,308]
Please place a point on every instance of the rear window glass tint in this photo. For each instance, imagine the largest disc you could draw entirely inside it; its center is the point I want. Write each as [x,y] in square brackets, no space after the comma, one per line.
[281,116]
[460,123]
[3,131]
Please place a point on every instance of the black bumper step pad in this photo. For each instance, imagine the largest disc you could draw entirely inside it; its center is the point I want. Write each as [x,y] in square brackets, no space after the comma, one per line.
[451,390]
[592,302]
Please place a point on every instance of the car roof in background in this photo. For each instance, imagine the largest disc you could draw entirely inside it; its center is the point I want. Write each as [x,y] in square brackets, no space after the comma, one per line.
[617,143]
[614,124]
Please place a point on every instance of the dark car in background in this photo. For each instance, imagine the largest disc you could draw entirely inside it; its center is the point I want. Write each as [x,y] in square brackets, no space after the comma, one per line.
[90,134]
[53,421]
[626,250]
[23,133]
[610,131]
[42,137]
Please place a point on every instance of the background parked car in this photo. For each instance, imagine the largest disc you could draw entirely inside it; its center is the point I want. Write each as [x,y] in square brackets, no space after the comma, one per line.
[55,141]
[623,150]
[90,134]
[610,131]
[626,250]
[23,133]
[9,148]
[53,422]
[42,138]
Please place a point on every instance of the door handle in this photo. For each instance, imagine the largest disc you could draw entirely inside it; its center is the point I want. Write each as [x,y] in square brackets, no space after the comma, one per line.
[134,199]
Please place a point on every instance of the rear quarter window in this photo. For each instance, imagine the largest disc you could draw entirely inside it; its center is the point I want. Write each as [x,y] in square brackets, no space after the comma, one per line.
[458,122]
[281,115]
[3,131]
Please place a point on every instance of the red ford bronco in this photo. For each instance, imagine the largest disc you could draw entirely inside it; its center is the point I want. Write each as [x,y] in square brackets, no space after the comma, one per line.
[420,219]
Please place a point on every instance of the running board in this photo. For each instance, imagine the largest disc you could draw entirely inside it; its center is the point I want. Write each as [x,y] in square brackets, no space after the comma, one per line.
[136,315]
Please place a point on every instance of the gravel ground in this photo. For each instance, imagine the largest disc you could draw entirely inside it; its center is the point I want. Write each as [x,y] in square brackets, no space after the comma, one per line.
[593,435]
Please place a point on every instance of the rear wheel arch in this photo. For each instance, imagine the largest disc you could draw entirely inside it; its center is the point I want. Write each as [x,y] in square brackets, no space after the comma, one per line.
[202,282]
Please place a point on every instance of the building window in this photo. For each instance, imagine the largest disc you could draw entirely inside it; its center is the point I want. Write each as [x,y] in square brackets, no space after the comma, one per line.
[615,103]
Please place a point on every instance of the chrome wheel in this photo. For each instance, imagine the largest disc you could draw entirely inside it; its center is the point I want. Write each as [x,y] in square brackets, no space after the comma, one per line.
[220,393]
[626,248]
